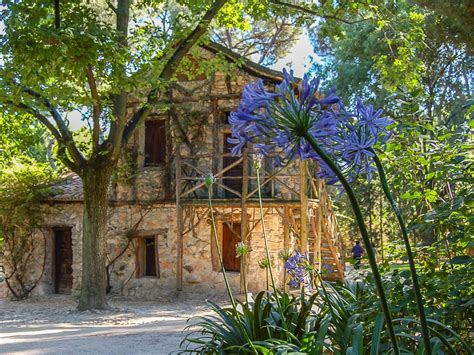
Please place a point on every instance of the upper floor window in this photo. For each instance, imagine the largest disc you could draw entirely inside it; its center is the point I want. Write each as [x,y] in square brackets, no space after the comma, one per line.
[155,142]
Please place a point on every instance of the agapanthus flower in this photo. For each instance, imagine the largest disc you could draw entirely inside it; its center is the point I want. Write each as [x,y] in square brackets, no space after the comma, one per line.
[354,147]
[357,136]
[275,122]
[300,269]
[371,119]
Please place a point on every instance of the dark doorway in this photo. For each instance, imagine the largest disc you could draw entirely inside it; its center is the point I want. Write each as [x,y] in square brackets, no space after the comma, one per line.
[62,261]
[150,256]
[229,240]
[232,177]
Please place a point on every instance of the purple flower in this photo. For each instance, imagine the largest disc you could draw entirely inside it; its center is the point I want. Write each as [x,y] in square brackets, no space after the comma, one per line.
[275,122]
[368,117]
[300,270]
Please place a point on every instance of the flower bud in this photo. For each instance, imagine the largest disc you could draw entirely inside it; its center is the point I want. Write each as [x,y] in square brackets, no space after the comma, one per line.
[242,249]
[257,162]
[209,180]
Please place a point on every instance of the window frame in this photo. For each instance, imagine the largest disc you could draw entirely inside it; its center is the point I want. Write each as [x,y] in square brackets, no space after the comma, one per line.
[164,146]
[141,256]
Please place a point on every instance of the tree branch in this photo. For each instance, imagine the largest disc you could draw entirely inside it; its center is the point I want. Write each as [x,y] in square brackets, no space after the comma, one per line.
[74,166]
[313,12]
[62,127]
[181,50]
[113,143]
[96,108]
[111,6]
[57,15]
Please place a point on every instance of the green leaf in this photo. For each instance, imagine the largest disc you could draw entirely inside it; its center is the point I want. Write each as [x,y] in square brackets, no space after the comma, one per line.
[377,334]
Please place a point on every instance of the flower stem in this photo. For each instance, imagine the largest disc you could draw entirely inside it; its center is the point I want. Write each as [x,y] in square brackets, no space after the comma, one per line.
[244,277]
[264,232]
[219,254]
[411,261]
[365,235]
[229,291]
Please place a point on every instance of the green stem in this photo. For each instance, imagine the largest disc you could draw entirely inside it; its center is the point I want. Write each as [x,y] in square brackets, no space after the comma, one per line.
[411,261]
[219,255]
[244,276]
[364,234]
[226,281]
[264,232]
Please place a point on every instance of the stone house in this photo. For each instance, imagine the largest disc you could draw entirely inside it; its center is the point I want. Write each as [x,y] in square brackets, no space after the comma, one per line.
[160,232]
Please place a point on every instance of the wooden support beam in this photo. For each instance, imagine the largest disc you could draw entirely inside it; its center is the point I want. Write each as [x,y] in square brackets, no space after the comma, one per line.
[316,225]
[244,217]
[226,202]
[179,224]
[286,241]
[147,232]
[303,208]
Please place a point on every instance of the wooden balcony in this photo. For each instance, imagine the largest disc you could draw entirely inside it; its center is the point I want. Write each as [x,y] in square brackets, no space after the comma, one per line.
[236,180]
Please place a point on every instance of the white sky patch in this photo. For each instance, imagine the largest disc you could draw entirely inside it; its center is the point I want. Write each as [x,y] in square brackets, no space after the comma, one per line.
[300,57]
[75,121]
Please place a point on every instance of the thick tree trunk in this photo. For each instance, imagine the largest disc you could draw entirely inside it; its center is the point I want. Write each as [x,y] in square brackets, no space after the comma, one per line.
[96,179]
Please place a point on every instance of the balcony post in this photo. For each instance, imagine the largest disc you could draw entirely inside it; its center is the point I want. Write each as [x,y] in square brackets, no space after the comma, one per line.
[303,208]
[243,215]
[179,224]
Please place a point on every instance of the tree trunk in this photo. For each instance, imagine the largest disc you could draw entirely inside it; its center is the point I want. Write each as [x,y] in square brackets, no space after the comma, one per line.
[95,179]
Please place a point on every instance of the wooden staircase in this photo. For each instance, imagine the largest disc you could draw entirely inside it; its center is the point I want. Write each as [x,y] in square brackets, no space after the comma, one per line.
[320,233]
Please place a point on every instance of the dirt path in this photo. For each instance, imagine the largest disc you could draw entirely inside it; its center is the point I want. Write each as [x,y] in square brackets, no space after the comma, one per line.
[53,326]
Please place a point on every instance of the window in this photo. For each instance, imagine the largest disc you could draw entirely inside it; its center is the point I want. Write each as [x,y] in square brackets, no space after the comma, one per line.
[232,178]
[226,115]
[148,259]
[230,238]
[155,142]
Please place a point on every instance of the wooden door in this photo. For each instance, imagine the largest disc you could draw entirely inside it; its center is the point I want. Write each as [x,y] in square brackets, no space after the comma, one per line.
[232,177]
[229,242]
[63,261]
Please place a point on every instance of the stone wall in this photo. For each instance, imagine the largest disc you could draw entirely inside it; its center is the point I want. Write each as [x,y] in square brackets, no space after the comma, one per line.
[199,275]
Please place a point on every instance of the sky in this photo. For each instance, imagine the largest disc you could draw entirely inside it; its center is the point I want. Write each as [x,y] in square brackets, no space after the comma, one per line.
[299,58]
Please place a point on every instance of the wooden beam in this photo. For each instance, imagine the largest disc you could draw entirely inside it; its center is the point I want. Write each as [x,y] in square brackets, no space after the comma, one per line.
[147,232]
[316,225]
[179,224]
[225,202]
[244,217]
[303,208]
[286,241]
[202,184]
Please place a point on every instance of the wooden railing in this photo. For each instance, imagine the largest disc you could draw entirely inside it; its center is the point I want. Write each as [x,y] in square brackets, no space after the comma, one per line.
[281,183]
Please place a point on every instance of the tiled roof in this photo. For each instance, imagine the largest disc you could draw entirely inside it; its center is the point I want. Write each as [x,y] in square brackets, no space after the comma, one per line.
[70,189]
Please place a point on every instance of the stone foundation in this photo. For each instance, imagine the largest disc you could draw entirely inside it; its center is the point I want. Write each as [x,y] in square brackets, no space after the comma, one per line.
[200,275]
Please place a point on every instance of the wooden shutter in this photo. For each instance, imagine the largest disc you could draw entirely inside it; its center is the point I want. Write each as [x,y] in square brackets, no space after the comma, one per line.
[155,142]
[229,241]
[232,177]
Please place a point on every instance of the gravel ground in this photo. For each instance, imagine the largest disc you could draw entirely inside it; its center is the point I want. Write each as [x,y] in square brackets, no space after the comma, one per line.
[54,326]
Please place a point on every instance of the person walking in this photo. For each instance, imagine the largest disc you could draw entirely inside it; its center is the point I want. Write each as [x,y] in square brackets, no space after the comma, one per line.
[357,252]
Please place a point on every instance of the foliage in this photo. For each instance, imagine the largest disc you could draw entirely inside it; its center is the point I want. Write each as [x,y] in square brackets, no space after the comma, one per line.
[23,184]
[340,319]
[21,136]
[265,40]
[91,57]
[422,76]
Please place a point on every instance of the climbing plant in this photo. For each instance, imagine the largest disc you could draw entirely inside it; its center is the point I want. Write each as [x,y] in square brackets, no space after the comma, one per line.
[23,184]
